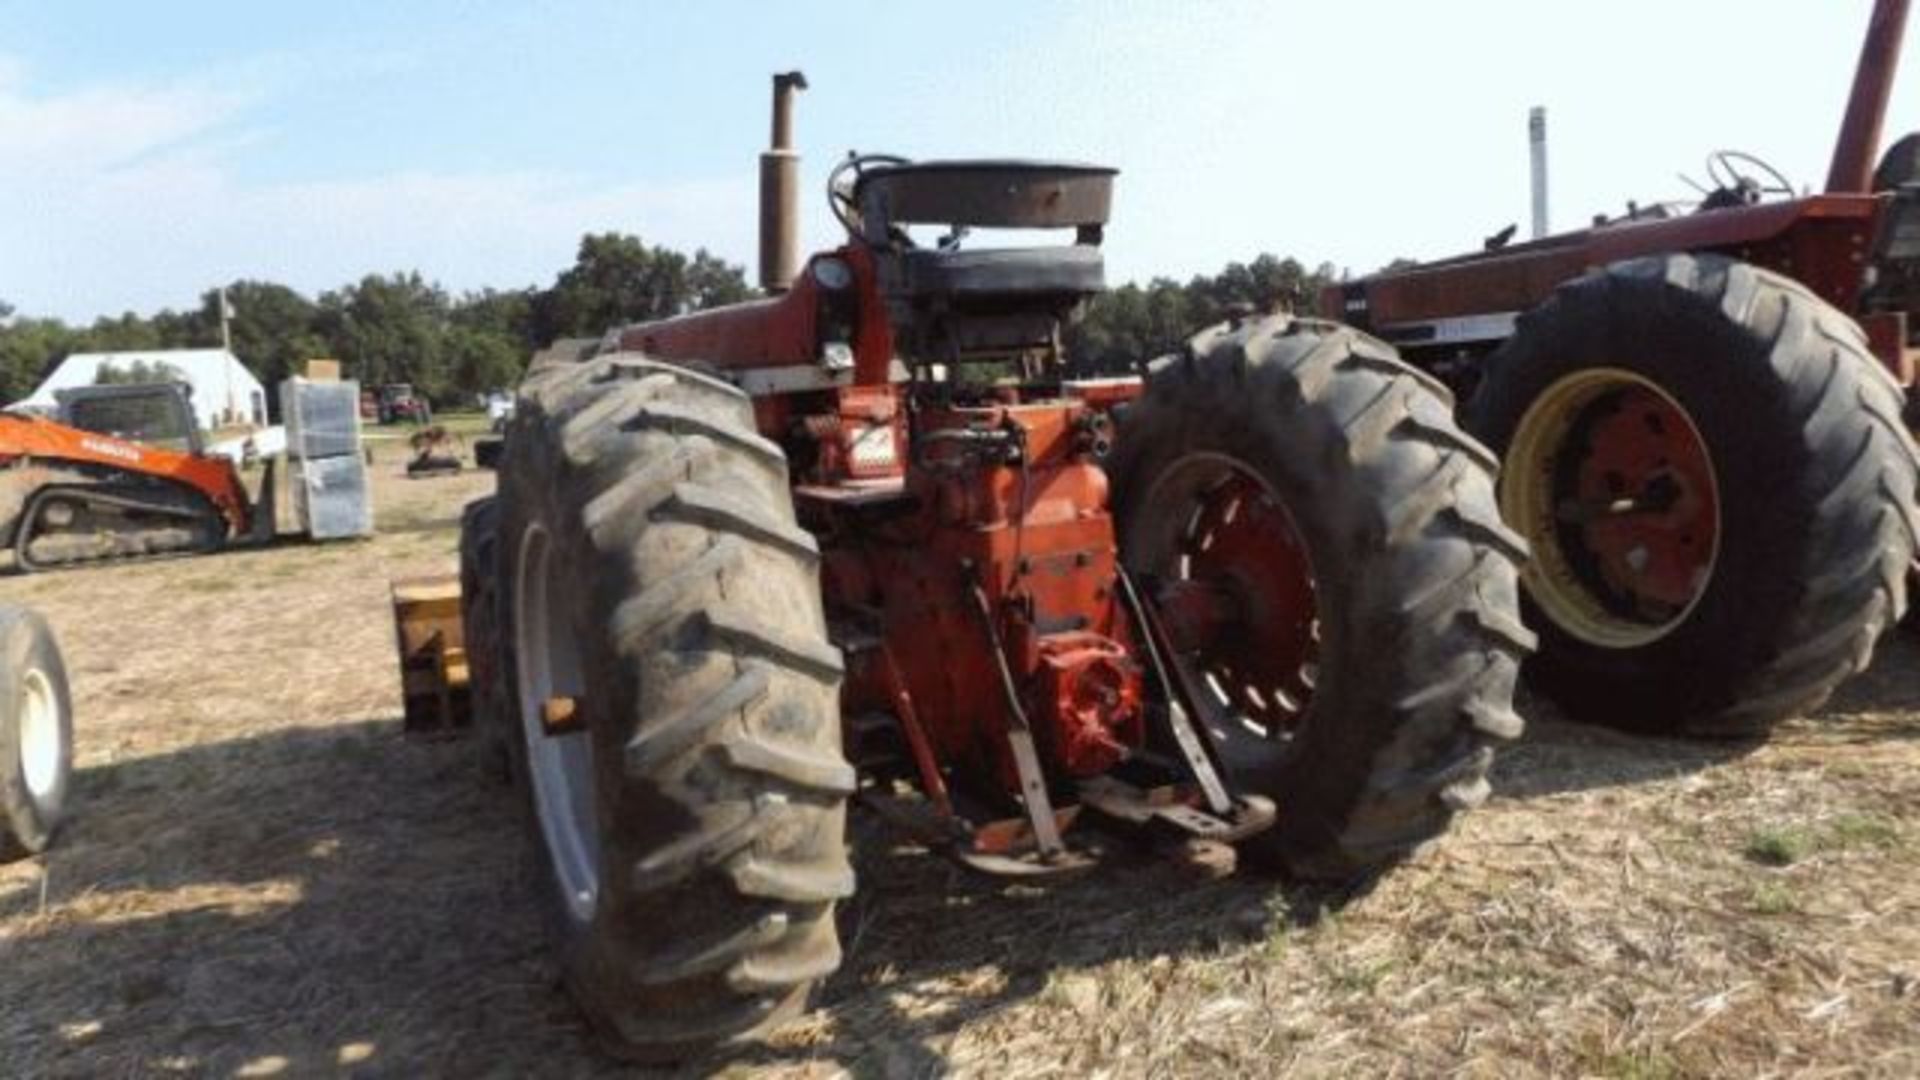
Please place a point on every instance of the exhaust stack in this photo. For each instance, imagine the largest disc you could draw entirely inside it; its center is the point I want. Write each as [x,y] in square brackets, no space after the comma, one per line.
[1537,144]
[1859,141]
[780,191]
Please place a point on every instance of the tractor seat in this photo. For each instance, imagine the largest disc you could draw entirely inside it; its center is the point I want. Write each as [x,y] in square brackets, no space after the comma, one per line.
[1075,270]
[995,194]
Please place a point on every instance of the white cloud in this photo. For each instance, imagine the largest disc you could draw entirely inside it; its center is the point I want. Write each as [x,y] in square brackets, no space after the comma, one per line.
[128,197]
[61,138]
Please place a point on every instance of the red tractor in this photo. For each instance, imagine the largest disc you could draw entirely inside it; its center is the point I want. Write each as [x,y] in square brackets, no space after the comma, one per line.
[1701,419]
[862,538]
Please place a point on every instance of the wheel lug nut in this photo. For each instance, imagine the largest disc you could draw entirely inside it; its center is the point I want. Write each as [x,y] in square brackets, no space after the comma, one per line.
[562,715]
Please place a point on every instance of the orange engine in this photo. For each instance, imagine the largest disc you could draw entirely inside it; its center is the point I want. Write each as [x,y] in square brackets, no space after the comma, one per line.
[983,579]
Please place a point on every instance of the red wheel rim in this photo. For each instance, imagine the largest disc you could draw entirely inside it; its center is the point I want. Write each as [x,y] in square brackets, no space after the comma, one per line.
[1610,480]
[1641,457]
[1233,586]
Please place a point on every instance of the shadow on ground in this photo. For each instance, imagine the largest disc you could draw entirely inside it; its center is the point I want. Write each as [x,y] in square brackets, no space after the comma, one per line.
[1558,755]
[308,900]
[312,899]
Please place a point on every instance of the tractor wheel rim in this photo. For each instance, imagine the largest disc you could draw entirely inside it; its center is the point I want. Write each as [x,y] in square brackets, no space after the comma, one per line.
[1217,530]
[560,766]
[40,724]
[1611,482]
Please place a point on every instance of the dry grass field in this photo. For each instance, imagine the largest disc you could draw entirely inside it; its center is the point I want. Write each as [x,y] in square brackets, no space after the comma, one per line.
[263,877]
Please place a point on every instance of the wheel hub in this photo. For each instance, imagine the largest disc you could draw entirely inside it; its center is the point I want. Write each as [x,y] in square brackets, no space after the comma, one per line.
[1611,481]
[40,723]
[559,762]
[1235,593]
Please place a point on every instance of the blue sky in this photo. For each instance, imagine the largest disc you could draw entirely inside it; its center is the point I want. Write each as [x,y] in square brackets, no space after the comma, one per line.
[150,151]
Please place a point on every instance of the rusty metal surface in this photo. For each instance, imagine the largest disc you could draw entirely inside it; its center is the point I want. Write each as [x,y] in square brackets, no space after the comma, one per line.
[1519,277]
[779,219]
[780,190]
[1887,338]
[1853,152]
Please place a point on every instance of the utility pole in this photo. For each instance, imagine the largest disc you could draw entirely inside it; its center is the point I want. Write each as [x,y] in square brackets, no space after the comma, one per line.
[1537,143]
[226,346]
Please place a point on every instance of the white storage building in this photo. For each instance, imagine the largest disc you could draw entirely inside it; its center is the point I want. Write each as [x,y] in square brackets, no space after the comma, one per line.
[225,393]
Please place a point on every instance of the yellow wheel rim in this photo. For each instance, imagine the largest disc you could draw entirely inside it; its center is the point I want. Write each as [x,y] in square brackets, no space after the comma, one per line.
[1612,484]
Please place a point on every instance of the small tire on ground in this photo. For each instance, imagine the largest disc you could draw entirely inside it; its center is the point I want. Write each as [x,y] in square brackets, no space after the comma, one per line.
[36,734]
[1414,577]
[1815,474]
[684,618]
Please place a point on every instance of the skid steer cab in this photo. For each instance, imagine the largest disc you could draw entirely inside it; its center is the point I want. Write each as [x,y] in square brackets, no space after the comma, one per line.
[862,539]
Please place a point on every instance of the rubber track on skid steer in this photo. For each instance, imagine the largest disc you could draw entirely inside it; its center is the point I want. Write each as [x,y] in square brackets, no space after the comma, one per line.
[132,545]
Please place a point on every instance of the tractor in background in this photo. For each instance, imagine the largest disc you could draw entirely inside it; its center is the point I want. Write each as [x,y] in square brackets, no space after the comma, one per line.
[864,539]
[1701,421]
[396,403]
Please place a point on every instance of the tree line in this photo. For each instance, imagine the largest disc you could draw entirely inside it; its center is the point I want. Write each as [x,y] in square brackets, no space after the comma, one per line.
[402,328]
[389,328]
[1132,324]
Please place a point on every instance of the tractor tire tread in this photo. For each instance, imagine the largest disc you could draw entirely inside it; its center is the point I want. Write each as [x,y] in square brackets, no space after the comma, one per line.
[718,690]
[1851,503]
[1430,571]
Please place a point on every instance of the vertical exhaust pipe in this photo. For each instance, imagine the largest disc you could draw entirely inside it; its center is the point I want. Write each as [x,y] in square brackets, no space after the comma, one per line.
[1537,145]
[780,191]
[1859,141]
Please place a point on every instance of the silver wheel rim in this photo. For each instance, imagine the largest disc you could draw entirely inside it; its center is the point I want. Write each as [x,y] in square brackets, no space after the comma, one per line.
[39,735]
[547,662]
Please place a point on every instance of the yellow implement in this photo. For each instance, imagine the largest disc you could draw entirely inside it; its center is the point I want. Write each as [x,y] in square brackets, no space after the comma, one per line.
[433,655]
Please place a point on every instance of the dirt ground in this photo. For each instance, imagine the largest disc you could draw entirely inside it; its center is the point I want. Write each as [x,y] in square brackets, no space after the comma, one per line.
[263,877]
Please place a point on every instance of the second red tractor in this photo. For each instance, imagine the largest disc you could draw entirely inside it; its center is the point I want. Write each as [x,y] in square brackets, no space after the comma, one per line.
[1703,416]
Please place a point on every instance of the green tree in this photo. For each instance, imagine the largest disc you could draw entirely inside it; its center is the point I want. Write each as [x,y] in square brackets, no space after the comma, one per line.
[398,327]
[484,361]
[128,333]
[389,329]
[272,327]
[508,315]
[29,348]
[714,282]
[137,372]
[617,279]
[1130,325]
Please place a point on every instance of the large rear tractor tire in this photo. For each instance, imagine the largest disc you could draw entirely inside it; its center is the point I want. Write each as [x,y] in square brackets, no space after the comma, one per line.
[1713,474]
[1298,481]
[36,734]
[676,712]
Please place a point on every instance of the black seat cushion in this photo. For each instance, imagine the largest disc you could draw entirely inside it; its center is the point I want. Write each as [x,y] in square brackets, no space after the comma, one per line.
[1075,269]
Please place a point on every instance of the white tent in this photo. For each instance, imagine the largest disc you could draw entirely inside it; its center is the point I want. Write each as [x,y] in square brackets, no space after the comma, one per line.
[224,394]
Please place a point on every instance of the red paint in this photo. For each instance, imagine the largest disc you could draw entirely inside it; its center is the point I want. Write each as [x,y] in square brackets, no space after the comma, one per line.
[1644,448]
[1823,241]
[1246,599]
[918,502]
